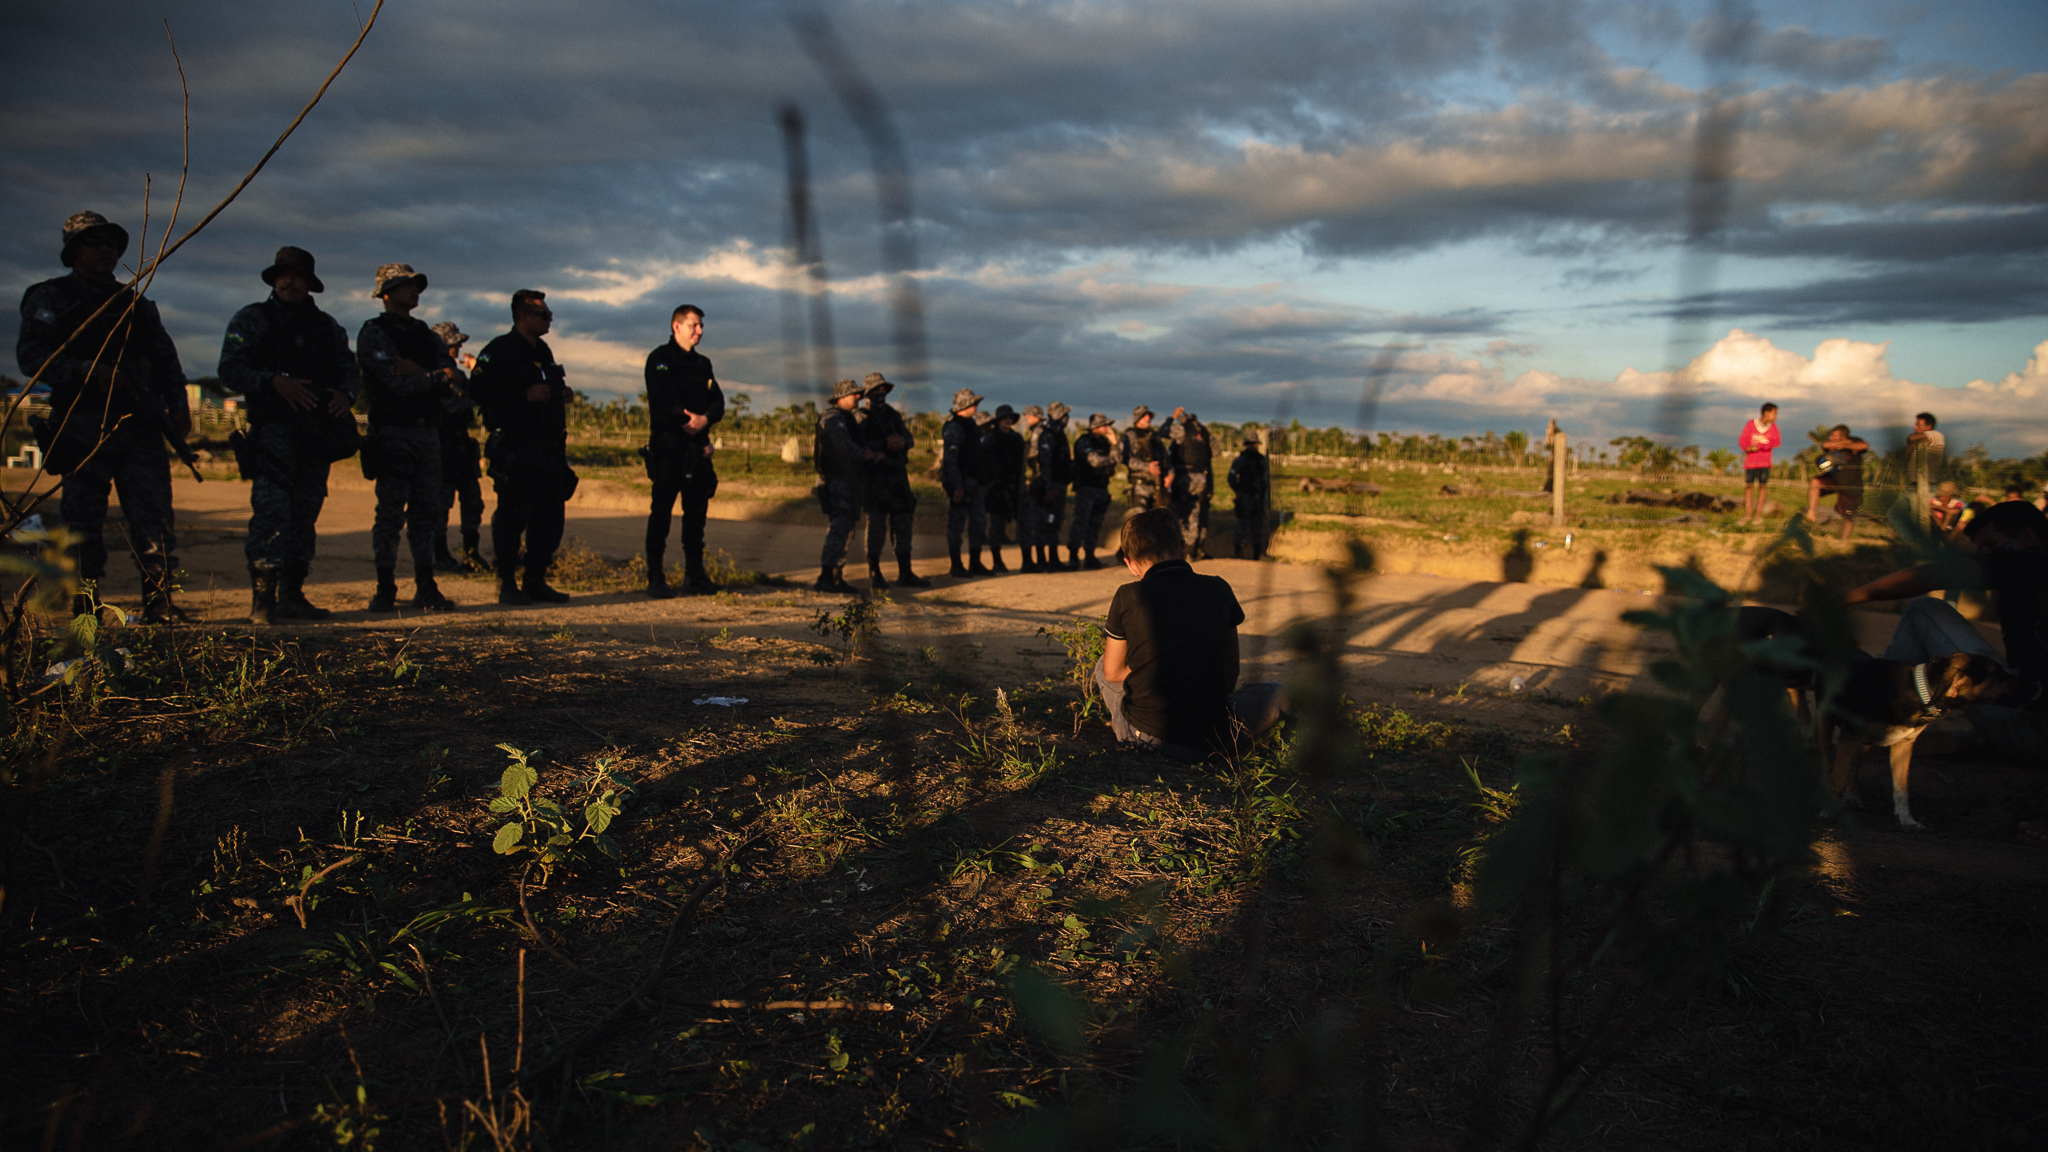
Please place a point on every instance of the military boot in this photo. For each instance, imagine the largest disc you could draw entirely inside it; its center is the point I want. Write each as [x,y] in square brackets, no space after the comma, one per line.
[995,560]
[426,595]
[908,578]
[157,606]
[444,560]
[386,599]
[1028,560]
[958,569]
[291,597]
[508,587]
[1091,563]
[876,581]
[657,576]
[472,560]
[831,580]
[263,601]
[536,586]
[974,565]
[695,578]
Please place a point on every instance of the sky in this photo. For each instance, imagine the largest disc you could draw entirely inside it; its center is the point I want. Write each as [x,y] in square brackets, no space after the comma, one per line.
[1252,210]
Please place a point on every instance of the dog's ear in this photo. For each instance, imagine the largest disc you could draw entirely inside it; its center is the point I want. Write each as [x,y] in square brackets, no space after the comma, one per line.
[1968,677]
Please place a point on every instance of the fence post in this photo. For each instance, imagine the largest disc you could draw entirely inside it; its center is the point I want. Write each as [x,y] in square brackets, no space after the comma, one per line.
[1558,447]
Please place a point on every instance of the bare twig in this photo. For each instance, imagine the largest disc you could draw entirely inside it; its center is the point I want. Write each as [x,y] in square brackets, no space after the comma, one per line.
[298,903]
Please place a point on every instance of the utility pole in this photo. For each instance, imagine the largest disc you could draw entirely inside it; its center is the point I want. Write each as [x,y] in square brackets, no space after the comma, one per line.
[1554,439]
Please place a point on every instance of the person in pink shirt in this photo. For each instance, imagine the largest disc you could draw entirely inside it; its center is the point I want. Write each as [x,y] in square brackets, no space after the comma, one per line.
[1759,436]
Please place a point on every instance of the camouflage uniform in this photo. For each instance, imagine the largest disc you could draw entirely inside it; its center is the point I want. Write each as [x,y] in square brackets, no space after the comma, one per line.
[406,412]
[1136,450]
[1094,466]
[98,438]
[287,453]
[1190,452]
[1045,493]
[838,454]
[461,475]
[964,474]
[891,506]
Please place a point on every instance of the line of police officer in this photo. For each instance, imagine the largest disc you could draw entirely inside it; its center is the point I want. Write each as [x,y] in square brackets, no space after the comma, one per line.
[994,476]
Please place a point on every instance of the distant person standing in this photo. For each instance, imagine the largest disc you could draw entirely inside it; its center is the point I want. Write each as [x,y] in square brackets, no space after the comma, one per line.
[1841,472]
[461,474]
[410,377]
[1194,480]
[1251,487]
[110,392]
[684,401]
[1143,456]
[1050,470]
[1931,444]
[890,504]
[292,362]
[525,398]
[1759,437]
[841,462]
[1005,451]
[965,473]
[1094,467]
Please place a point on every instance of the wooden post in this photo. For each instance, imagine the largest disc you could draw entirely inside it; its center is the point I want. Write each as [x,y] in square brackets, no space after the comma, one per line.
[1558,448]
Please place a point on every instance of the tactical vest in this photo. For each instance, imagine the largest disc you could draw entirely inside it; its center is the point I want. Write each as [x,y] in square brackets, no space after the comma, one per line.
[416,342]
[302,343]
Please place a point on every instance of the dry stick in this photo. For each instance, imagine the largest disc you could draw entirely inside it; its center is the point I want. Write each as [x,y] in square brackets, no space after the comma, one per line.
[298,903]
[545,943]
[9,638]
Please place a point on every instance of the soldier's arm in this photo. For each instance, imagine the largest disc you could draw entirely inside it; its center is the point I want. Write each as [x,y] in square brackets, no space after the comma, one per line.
[239,371]
[714,406]
[380,357]
[41,309]
[661,393]
[949,469]
[349,378]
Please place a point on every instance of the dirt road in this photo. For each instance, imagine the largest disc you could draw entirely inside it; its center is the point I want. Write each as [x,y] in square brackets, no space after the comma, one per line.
[1408,633]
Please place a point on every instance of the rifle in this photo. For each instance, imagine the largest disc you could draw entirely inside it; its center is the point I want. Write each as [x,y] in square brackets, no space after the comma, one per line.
[161,417]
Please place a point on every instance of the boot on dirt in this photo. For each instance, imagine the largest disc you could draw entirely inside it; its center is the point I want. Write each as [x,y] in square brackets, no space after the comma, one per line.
[472,560]
[291,598]
[908,578]
[157,607]
[995,562]
[657,585]
[1028,561]
[263,601]
[426,595]
[508,588]
[876,582]
[536,588]
[1091,563]
[958,569]
[444,560]
[386,599]
[696,580]
[974,565]
[831,580]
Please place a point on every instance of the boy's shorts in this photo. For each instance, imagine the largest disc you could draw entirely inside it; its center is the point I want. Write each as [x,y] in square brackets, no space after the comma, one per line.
[1756,475]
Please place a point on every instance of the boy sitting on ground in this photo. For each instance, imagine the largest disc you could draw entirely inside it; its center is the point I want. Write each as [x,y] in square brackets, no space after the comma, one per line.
[1171,661]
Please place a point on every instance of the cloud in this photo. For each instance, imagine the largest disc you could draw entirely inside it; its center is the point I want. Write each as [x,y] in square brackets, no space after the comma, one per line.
[1797,51]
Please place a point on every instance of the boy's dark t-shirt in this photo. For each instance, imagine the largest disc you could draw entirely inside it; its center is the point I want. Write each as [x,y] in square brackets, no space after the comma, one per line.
[1179,625]
[2019,579]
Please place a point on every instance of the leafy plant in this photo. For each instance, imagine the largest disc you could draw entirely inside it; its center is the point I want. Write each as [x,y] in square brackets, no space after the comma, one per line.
[853,625]
[553,832]
[1083,640]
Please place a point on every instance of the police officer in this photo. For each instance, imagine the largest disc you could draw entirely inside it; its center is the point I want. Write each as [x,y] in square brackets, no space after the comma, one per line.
[1046,493]
[1250,484]
[410,378]
[460,475]
[965,473]
[1094,466]
[113,390]
[841,463]
[1005,498]
[890,504]
[1144,457]
[683,402]
[1194,481]
[292,362]
[525,399]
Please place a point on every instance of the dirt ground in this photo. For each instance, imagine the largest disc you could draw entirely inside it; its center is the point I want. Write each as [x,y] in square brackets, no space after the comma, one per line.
[182,973]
